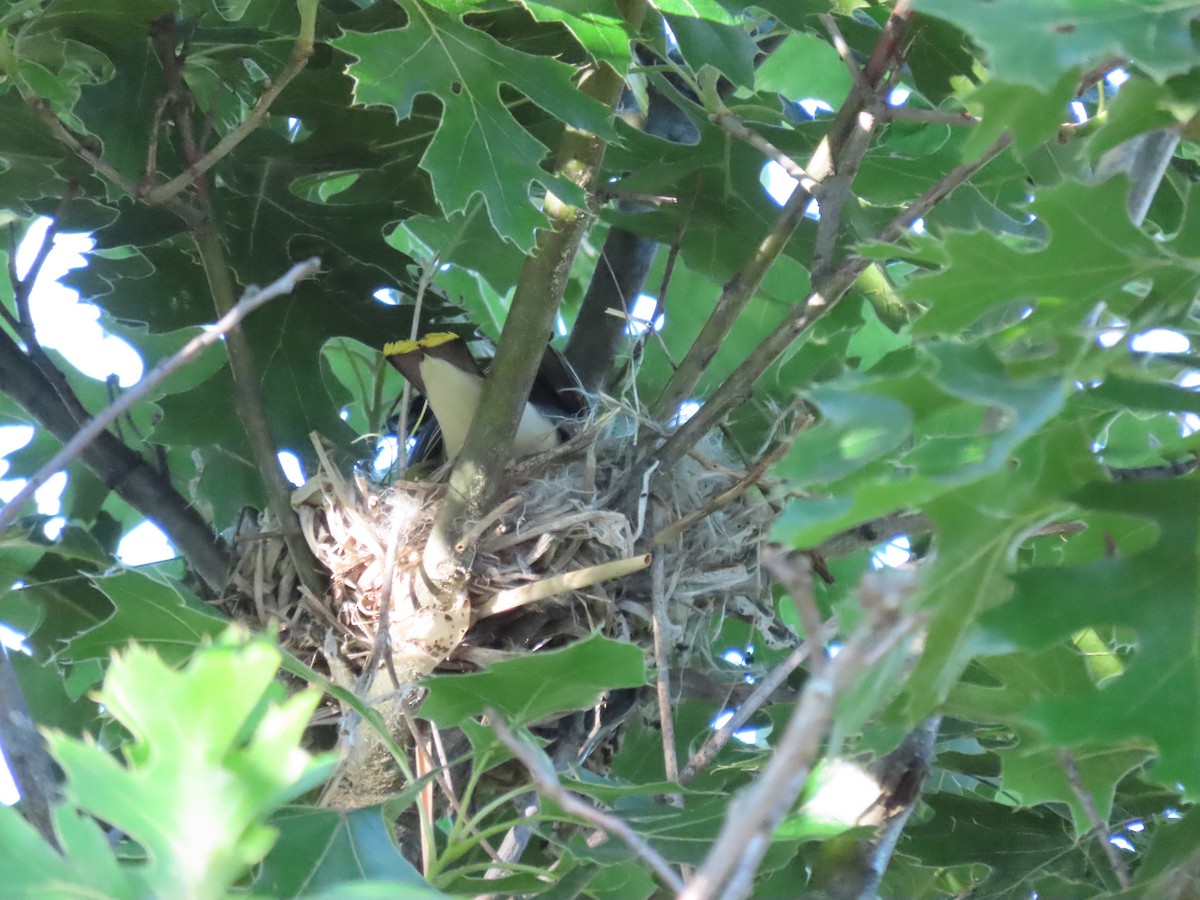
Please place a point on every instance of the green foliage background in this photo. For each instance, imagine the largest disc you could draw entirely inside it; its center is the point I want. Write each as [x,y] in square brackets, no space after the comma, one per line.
[973,390]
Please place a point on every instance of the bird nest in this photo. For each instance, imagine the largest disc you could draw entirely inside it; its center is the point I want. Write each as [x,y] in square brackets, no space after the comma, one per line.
[566,554]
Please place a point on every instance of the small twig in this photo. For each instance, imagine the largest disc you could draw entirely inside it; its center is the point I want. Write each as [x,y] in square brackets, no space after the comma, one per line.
[661,624]
[843,50]
[794,572]
[505,601]
[723,499]
[23,288]
[428,269]
[301,52]
[42,110]
[724,118]
[755,813]
[763,691]
[826,160]
[476,530]
[824,296]
[545,779]
[556,523]
[151,380]
[1099,828]
[1093,77]
[928,116]
[151,167]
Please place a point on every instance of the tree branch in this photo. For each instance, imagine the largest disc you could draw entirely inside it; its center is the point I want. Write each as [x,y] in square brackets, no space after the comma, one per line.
[477,475]
[119,467]
[247,383]
[99,423]
[763,691]
[247,389]
[546,781]
[22,747]
[1099,828]
[825,295]
[301,52]
[757,810]
[829,158]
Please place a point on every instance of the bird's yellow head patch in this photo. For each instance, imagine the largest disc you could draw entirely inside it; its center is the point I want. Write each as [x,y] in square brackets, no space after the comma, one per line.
[429,341]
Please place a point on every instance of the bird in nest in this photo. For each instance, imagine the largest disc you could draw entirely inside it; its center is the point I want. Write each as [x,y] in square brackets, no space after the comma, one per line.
[441,367]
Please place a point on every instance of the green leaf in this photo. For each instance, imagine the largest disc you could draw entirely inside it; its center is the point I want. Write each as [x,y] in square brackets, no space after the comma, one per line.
[1057,35]
[978,528]
[153,610]
[320,849]
[601,31]
[1023,849]
[33,869]
[712,10]
[1093,249]
[479,148]
[1031,115]
[726,48]
[1152,591]
[855,429]
[529,687]
[209,747]
[805,66]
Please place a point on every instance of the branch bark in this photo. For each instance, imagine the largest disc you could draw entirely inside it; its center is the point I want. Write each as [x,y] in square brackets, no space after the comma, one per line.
[96,426]
[477,477]
[825,295]
[831,158]
[26,754]
[119,467]
[757,810]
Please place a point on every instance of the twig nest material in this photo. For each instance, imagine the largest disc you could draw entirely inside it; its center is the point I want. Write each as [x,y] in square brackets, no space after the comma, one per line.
[564,555]
[559,558]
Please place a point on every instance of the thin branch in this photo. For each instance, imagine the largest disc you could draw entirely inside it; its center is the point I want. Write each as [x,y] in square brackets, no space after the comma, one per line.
[737,293]
[876,531]
[1099,828]
[661,625]
[724,118]
[928,116]
[723,499]
[23,288]
[23,748]
[55,408]
[901,774]
[42,110]
[247,379]
[763,691]
[251,410]
[97,425]
[738,385]
[794,572]
[843,50]
[301,52]
[755,813]
[476,479]
[545,779]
